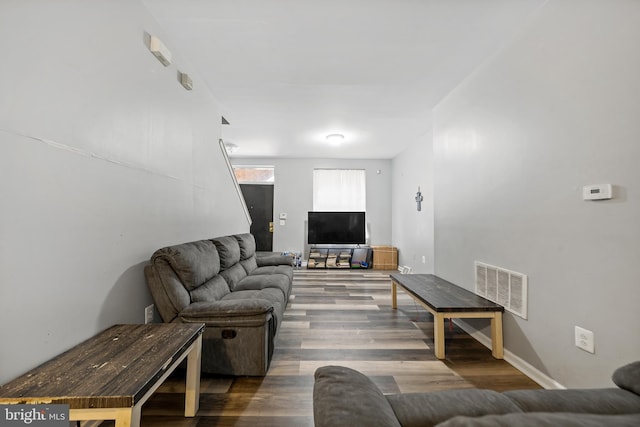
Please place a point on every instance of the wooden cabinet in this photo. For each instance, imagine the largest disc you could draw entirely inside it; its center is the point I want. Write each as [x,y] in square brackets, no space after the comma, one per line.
[385,258]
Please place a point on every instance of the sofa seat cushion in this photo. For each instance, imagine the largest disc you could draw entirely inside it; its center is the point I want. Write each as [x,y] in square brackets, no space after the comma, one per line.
[594,401]
[543,419]
[272,296]
[429,409]
[274,269]
[265,281]
[251,266]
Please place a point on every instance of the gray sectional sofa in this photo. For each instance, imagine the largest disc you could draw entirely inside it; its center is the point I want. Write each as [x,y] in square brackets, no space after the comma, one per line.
[239,296]
[343,397]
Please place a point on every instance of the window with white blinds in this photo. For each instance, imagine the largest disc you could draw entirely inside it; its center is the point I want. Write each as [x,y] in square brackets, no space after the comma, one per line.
[341,190]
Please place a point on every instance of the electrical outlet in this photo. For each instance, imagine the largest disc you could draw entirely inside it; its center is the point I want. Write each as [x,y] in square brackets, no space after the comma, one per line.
[584,339]
[148,314]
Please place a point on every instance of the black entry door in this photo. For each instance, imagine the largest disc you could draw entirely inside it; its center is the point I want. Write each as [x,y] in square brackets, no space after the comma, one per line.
[259,200]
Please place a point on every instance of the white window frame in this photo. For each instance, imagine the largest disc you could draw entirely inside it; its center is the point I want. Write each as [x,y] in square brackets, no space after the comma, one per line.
[340,190]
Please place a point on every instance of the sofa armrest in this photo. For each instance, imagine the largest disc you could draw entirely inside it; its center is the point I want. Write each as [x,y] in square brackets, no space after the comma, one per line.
[595,401]
[273,258]
[239,312]
[537,419]
[627,377]
[343,397]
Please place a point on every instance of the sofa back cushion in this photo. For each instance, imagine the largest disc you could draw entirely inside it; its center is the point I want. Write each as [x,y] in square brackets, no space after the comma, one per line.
[247,245]
[250,264]
[195,263]
[228,250]
[234,275]
[181,274]
[167,290]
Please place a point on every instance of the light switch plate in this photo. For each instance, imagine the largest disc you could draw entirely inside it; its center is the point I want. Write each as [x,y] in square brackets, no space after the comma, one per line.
[597,192]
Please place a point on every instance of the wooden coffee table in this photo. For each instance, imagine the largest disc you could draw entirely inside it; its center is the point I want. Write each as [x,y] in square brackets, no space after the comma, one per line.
[111,375]
[445,300]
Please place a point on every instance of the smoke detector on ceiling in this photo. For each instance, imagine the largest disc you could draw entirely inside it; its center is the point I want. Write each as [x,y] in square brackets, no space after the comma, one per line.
[335,138]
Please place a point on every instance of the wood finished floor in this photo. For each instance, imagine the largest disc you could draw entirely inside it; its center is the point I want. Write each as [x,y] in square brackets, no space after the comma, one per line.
[341,317]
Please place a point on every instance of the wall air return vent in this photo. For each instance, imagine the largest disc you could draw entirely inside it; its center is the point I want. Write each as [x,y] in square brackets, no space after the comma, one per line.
[502,286]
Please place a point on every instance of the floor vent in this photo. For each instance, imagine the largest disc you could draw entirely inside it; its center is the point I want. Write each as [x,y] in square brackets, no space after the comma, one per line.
[507,288]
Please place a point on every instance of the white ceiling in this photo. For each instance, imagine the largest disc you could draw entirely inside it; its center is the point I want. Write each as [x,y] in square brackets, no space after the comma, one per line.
[286,73]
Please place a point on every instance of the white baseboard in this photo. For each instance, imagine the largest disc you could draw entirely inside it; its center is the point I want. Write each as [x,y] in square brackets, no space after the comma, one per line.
[520,364]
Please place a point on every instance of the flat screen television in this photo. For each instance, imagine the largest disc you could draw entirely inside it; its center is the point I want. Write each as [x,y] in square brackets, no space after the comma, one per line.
[336,228]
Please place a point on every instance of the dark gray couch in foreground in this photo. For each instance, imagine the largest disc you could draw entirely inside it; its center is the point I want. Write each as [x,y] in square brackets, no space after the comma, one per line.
[345,397]
[240,297]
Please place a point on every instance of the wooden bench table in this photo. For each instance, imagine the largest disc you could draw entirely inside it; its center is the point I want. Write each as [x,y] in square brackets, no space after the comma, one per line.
[445,300]
[111,375]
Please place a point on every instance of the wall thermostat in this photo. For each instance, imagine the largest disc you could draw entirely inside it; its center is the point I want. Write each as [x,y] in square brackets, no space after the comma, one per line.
[597,192]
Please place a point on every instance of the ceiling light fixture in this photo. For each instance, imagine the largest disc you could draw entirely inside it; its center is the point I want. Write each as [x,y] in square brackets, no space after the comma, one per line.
[335,138]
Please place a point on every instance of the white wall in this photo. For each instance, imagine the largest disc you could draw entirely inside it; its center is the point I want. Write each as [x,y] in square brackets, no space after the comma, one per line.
[104,158]
[413,229]
[293,194]
[514,144]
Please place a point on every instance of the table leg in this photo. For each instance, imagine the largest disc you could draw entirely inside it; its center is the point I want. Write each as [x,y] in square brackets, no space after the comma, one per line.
[438,334]
[134,417]
[123,417]
[394,295]
[497,346]
[192,389]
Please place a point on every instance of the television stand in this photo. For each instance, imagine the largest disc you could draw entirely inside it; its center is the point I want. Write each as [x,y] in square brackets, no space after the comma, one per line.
[339,257]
